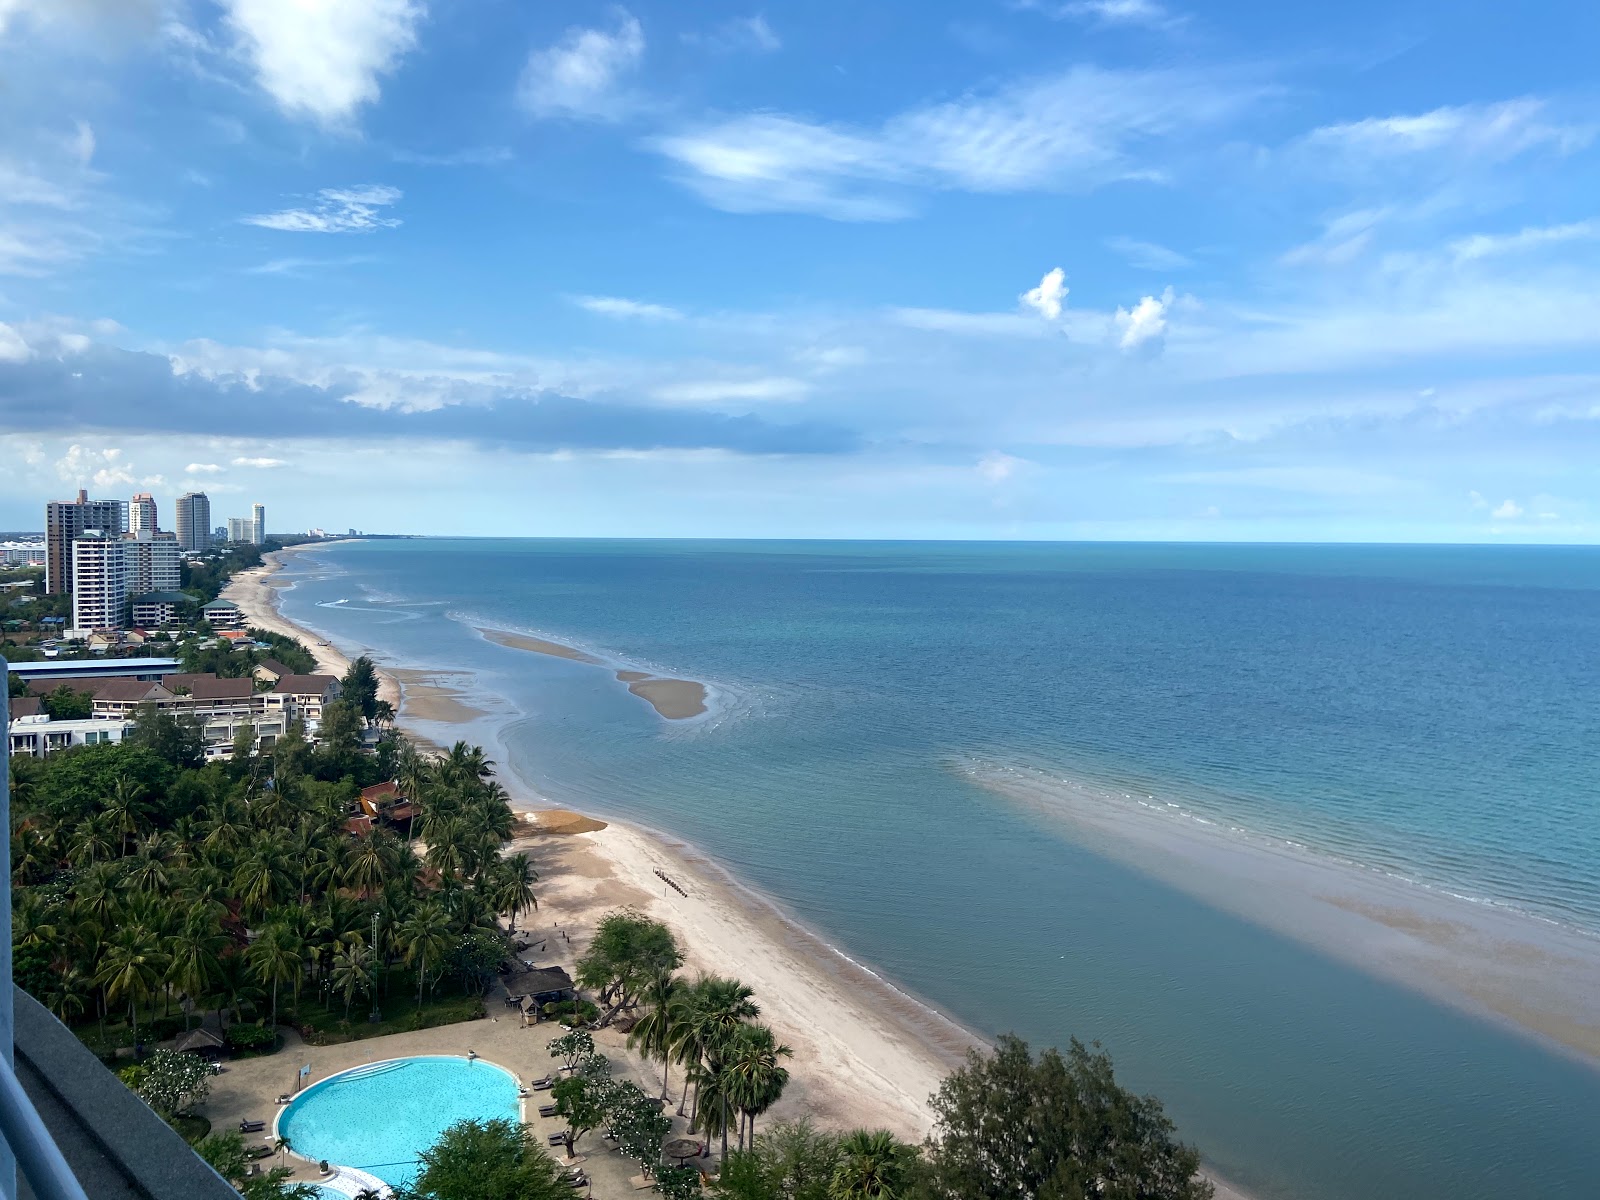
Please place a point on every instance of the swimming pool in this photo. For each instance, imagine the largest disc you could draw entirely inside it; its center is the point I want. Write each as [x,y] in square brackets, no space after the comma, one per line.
[379,1118]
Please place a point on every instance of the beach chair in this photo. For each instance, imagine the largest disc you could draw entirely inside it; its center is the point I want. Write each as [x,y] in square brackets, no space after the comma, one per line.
[251,1126]
[542,1085]
[558,1139]
[547,1110]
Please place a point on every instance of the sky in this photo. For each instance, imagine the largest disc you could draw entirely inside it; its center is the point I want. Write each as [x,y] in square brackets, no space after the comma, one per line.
[1047,269]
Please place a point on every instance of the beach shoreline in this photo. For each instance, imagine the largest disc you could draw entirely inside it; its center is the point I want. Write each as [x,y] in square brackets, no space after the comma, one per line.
[867,1053]
[673,699]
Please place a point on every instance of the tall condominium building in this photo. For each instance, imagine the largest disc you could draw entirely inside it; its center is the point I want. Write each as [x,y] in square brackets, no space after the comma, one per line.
[240,529]
[142,513]
[258,518]
[64,520]
[99,580]
[152,562]
[193,522]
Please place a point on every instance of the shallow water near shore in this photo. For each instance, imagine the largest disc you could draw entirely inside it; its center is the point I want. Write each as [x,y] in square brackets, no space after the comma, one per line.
[942,757]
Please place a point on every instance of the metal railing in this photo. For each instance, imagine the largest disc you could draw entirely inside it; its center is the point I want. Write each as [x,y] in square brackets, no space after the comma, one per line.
[38,1157]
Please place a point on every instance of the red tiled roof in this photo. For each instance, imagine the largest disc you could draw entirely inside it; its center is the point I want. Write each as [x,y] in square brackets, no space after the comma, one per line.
[379,790]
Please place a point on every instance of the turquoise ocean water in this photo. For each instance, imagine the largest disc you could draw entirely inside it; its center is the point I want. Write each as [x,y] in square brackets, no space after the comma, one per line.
[1427,713]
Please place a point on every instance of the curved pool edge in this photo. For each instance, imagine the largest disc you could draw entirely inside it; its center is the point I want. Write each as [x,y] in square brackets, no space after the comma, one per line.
[384,1188]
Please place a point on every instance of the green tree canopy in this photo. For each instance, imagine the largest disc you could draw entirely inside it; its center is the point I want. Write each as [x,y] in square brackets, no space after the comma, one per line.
[67,703]
[628,951]
[1058,1127]
[360,687]
[176,738]
[486,1160]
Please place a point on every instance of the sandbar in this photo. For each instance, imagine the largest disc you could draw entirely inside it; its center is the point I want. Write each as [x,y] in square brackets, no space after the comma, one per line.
[522,641]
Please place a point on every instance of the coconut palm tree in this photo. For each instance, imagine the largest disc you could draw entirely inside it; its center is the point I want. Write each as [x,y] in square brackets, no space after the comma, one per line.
[95,840]
[755,1076]
[425,935]
[131,968]
[196,954]
[274,958]
[872,1166]
[656,1033]
[352,974]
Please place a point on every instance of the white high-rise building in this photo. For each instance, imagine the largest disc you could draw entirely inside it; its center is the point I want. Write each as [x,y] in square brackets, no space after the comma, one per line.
[99,580]
[240,529]
[258,522]
[142,513]
[152,562]
[193,522]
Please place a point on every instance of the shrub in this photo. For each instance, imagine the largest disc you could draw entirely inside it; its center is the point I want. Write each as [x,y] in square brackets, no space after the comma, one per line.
[252,1037]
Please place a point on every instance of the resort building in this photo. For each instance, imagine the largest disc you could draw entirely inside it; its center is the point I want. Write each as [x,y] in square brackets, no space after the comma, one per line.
[258,524]
[53,674]
[34,734]
[239,530]
[64,522]
[154,609]
[223,614]
[22,554]
[142,513]
[154,561]
[100,583]
[307,696]
[192,520]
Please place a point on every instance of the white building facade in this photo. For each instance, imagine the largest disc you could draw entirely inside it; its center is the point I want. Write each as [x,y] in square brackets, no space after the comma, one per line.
[99,580]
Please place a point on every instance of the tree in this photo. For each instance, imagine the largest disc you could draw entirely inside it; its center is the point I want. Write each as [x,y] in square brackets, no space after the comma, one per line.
[172,1083]
[360,687]
[1007,1125]
[352,975]
[176,737]
[573,1047]
[131,967]
[638,1123]
[426,938]
[754,1077]
[628,951]
[514,887]
[486,1160]
[275,958]
[66,703]
[582,1098]
[656,1033]
[873,1166]
[678,1183]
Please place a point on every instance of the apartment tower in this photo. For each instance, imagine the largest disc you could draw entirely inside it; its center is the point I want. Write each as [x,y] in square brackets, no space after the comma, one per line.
[99,580]
[64,521]
[194,522]
[142,513]
[258,520]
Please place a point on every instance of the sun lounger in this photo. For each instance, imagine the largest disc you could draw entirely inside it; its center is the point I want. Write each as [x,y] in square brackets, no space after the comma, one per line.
[558,1139]
[578,1180]
[259,1152]
[252,1126]
[542,1085]
[547,1110]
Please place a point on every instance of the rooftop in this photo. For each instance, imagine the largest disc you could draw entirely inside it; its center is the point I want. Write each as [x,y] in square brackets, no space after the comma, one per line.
[306,685]
[100,667]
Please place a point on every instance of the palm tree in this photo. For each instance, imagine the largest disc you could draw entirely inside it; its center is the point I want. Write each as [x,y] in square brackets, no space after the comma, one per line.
[131,966]
[755,1078]
[274,958]
[369,862]
[94,840]
[447,842]
[126,807]
[196,954]
[426,937]
[872,1166]
[147,866]
[656,1032]
[352,974]
[717,1008]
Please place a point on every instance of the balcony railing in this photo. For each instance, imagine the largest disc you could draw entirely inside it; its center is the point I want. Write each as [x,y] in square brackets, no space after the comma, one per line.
[38,1157]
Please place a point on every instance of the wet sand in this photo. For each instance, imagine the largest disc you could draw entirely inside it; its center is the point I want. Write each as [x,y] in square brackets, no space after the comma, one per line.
[673,699]
[1535,977]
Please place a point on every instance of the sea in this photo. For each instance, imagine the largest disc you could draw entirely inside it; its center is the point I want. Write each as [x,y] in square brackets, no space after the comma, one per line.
[925,751]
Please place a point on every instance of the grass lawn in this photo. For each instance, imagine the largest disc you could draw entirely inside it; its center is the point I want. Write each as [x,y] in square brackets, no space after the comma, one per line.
[323,1023]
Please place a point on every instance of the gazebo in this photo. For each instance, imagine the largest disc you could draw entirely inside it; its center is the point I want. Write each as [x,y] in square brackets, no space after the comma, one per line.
[201,1041]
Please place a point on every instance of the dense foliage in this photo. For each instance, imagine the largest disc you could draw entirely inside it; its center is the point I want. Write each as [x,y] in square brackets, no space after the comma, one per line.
[225,1152]
[141,880]
[486,1160]
[1056,1126]
[796,1161]
[628,951]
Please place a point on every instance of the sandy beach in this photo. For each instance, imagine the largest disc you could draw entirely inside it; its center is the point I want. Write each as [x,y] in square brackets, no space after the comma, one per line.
[673,699]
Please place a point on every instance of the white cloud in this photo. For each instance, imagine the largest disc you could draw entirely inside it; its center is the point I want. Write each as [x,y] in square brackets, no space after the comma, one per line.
[12,346]
[102,468]
[323,60]
[1073,131]
[751,35]
[263,463]
[299,267]
[1477,500]
[1122,12]
[1487,132]
[579,76]
[717,390]
[1343,239]
[996,467]
[977,324]
[1510,510]
[81,144]
[337,210]
[202,469]
[1146,324]
[1047,297]
[1489,245]
[623,308]
[1148,256]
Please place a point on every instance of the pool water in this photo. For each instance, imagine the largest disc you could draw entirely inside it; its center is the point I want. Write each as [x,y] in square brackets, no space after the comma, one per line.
[379,1118]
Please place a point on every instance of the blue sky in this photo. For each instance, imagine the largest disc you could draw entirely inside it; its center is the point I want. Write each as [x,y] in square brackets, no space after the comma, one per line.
[998,268]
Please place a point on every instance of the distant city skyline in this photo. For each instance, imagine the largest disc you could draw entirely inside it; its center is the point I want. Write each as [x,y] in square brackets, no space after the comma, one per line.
[1121,269]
